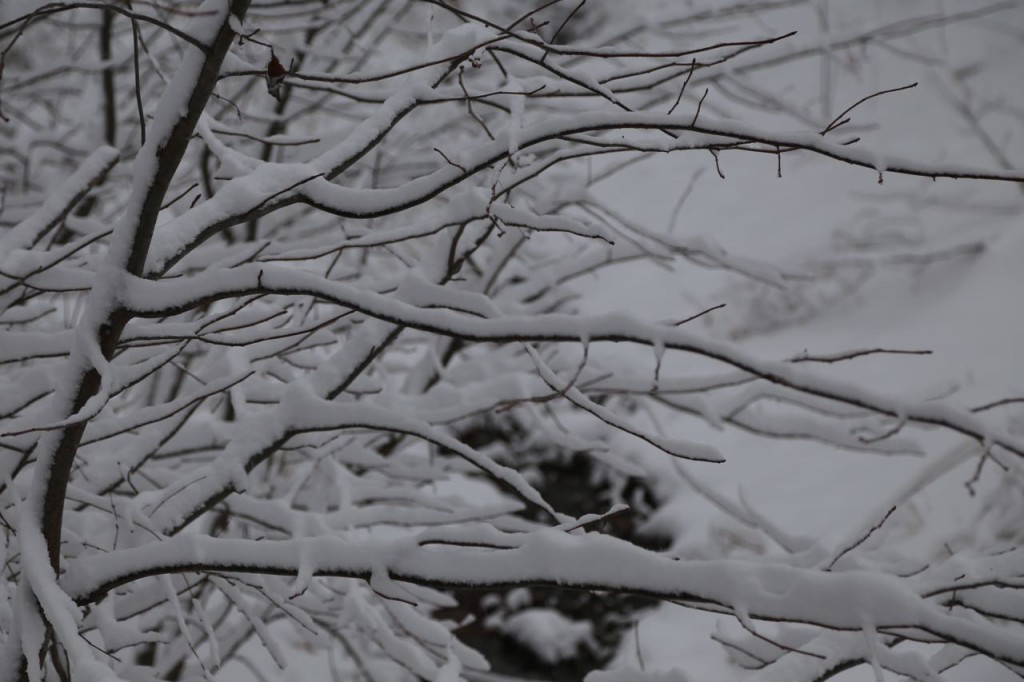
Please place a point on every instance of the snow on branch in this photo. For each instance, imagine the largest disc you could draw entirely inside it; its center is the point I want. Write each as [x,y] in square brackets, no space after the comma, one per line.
[579,562]
[328,316]
[161,299]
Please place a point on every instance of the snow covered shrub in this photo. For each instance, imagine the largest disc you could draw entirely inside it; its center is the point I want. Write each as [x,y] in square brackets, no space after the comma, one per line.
[264,265]
[548,632]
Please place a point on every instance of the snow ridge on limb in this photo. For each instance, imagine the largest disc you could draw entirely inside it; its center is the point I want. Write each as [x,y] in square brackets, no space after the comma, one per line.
[767,592]
[59,203]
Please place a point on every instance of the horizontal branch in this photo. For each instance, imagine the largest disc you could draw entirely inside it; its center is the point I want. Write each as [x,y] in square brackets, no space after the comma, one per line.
[158,299]
[590,562]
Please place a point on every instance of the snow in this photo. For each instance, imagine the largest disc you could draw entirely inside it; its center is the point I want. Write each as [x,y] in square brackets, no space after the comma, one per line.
[621,675]
[548,633]
[156,299]
[283,416]
[27,232]
[835,600]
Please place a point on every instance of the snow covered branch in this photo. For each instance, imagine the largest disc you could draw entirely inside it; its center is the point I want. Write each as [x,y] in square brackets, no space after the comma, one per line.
[334,322]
